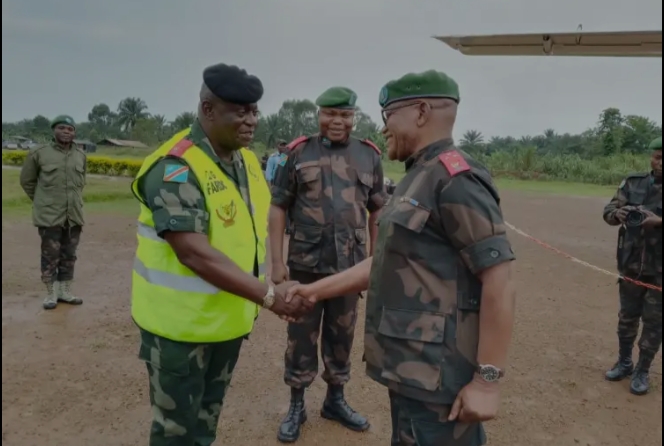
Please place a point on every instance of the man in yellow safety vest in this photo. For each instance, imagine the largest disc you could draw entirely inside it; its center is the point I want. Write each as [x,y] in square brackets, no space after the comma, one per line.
[198,280]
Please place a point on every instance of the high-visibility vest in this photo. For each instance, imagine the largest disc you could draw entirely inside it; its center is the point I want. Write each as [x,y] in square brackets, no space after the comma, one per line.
[170,300]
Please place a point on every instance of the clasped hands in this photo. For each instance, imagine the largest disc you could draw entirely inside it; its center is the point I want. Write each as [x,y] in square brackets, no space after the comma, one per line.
[292,299]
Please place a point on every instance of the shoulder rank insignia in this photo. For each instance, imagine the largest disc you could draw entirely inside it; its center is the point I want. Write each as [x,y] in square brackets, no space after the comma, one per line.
[297,141]
[176,173]
[372,145]
[454,162]
[180,148]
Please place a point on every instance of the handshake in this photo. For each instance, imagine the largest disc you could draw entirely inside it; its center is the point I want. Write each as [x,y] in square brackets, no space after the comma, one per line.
[292,300]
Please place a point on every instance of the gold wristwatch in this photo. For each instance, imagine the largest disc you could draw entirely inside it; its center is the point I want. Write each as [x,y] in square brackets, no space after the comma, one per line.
[268,300]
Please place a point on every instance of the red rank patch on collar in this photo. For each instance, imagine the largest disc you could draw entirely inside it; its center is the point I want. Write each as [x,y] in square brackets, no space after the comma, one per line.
[454,162]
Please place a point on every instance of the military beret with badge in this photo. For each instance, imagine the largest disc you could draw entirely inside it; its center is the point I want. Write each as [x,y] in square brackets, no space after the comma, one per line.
[233,84]
[656,144]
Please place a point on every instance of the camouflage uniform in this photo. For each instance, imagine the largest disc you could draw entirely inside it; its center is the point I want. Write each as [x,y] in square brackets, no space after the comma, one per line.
[53,177]
[639,257]
[188,382]
[439,230]
[327,190]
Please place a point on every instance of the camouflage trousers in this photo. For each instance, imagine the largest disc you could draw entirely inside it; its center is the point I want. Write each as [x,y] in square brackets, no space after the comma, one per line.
[415,423]
[641,304]
[188,383]
[338,317]
[58,252]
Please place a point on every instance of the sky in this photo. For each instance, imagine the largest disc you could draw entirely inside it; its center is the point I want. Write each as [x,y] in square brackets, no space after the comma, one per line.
[66,56]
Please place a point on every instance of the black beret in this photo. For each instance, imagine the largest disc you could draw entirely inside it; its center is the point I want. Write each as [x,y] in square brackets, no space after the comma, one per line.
[232,84]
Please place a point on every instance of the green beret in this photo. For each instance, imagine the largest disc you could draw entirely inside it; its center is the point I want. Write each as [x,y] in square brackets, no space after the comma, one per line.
[63,119]
[430,84]
[337,97]
[656,144]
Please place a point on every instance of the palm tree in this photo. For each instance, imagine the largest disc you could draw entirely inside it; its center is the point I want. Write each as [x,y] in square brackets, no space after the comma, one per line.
[160,122]
[473,142]
[130,111]
[183,121]
[472,138]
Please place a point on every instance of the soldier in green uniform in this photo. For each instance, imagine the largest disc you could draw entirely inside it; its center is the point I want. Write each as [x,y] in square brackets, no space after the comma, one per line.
[189,380]
[440,305]
[639,258]
[327,184]
[53,177]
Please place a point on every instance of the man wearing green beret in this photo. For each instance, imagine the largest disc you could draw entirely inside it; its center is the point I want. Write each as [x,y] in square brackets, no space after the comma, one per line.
[440,305]
[639,258]
[328,184]
[53,177]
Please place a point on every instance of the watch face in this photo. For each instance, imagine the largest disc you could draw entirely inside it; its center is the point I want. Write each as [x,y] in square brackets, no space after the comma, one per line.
[490,374]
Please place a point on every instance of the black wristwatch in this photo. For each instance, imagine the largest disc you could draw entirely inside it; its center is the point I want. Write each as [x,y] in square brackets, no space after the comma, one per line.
[490,373]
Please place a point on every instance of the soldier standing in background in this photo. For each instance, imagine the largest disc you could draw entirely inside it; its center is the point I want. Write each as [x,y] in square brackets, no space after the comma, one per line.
[639,258]
[327,184]
[53,177]
[440,305]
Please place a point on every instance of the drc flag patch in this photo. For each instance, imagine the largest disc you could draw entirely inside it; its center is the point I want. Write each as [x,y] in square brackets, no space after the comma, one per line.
[176,173]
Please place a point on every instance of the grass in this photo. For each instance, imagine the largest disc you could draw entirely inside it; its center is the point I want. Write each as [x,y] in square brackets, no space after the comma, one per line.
[396,171]
[100,195]
[122,152]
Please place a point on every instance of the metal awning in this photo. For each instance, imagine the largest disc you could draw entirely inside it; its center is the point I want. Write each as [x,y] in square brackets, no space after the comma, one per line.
[583,44]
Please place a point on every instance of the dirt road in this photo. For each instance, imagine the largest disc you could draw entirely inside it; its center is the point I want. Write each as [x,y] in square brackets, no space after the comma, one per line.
[71,377]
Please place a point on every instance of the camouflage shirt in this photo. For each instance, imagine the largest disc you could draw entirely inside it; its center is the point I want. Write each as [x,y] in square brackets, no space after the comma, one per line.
[639,250]
[442,228]
[181,207]
[53,177]
[327,190]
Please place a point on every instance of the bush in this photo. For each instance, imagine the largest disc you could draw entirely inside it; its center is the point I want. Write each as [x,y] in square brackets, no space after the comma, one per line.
[98,165]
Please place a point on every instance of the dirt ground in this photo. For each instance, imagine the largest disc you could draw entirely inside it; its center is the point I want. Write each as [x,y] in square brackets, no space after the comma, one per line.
[71,377]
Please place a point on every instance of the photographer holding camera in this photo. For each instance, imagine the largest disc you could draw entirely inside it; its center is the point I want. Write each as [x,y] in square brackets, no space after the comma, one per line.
[637,208]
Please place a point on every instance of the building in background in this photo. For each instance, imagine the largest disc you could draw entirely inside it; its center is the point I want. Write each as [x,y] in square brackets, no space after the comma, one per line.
[122,143]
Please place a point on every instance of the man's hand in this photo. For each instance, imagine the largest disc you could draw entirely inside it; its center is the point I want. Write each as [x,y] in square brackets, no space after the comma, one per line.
[621,214]
[290,310]
[477,402]
[652,220]
[306,292]
[279,273]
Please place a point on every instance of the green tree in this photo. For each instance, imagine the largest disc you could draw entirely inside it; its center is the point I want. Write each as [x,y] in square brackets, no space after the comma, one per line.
[638,132]
[473,142]
[611,131]
[130,111]
[183,121]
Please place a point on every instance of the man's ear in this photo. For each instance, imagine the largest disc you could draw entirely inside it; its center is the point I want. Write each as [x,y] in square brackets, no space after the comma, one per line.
[424,114]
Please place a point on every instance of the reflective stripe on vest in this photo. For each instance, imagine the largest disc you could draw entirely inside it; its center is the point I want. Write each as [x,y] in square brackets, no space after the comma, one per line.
[174,281]
[168,299]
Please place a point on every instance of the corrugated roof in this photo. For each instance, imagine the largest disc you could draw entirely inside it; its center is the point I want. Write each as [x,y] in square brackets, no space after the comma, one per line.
[124,143]
[86,142]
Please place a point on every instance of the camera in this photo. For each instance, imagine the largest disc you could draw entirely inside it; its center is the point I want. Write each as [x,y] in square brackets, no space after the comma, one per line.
[635,218]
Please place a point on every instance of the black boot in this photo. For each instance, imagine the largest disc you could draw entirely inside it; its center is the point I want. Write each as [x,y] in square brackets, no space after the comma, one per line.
[622,370]
[291,427]
[336,408]
[625,366]
[641,380]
